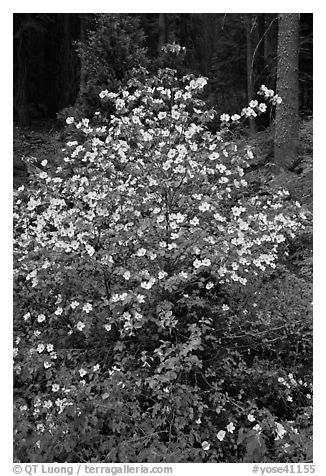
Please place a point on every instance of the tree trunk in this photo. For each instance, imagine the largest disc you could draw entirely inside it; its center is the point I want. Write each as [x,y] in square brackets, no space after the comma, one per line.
[82,82]
[287,113]
[260,61]
[161,31]
[250,81]
[64,76]
[21,99]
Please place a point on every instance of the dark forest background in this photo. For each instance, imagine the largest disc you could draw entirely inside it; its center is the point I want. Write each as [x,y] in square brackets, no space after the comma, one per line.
[55,55]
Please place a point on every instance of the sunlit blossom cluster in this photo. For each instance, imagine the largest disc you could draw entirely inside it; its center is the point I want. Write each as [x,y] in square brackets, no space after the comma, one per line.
[141,193]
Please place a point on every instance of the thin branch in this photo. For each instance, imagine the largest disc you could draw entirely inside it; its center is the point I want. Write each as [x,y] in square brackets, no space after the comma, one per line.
[258,44]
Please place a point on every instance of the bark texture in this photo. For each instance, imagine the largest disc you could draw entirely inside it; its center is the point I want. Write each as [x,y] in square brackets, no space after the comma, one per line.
[161,31]
[287,113]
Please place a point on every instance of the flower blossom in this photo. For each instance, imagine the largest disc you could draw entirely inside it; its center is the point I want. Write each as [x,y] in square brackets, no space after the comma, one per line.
[204,207]
[230,427]
[80,325]
[87,307]
[221,435]
[82,372]
[205,445]
[41,318]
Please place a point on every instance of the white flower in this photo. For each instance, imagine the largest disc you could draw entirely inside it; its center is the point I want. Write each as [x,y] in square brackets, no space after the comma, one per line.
[205,445]
[74,304]
[262,107]
[175,114]
[167,165]
[55,387]
[204,207]
[80,325]
[33,203]
[147,137]
[253,103]
[289,398]
[194,221]
[173,225]
[48,404]
[214,156]
[225,117]
[40,348]
[47,364]
[126,275]
[104,94]
[82,372]
[257,428]
[96,367]
[225,307]
[209,285]
[179,217]
[69,120]
[235,117]
[237,211]
[198,83]
[230,427]
[280,431]
[90,250]
[251,417]
[58,311]
[115,298]
[44,162]
[141,252]
[197,263]
[277,100]
[107,327]
[138,316]
[220,435]
[148,284]
[87,307]
[49,347]
[40,318]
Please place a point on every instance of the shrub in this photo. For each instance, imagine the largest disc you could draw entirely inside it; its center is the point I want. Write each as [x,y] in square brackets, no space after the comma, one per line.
[128,260]
[114,46]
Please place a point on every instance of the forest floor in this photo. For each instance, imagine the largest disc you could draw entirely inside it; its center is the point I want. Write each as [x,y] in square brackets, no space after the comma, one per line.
[43,140]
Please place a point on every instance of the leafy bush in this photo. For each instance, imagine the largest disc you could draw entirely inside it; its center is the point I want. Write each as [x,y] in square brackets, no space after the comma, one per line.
[113,47]
[133,263]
